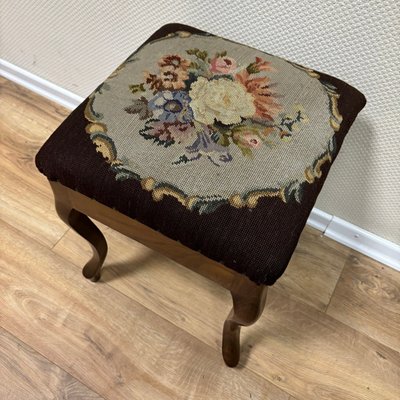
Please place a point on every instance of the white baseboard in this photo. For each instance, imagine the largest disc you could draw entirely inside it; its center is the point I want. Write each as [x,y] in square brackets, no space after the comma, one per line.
[39,85]
[319,219]
[365,242]
[338,229]
[356,238]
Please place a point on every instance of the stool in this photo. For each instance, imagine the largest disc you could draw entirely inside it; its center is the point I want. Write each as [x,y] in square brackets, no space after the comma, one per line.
[207,151]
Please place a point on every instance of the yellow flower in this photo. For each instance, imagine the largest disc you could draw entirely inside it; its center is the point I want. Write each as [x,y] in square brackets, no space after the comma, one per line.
[220,99]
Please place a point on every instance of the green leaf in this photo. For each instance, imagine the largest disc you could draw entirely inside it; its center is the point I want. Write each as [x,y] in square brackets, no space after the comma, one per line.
[246,151]
[137,88]
[181,160]
[252,68]
[202,55]
[220,138]
[222,54]
[192,52]
[223,140]
[140,107]
[194,65]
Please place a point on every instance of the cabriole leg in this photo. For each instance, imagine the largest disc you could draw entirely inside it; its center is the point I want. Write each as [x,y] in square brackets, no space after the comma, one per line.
[82,225]
[248,304]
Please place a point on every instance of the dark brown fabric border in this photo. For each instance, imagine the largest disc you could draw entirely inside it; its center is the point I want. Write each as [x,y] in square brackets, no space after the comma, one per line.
[257,242]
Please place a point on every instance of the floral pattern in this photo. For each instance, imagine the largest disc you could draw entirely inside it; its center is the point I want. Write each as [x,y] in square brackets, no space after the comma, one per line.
[226,126]
[211,104]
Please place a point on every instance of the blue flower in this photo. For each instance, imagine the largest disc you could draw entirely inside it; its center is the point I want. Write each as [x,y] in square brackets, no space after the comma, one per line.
[171,106]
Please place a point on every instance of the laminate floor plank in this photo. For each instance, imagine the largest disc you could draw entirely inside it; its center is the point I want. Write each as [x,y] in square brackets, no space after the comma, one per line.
[151,329]
[25,374]
[367,298]
[304,351]
[112,344]
[26,200]
[314,269]
[28,109]
[29,210]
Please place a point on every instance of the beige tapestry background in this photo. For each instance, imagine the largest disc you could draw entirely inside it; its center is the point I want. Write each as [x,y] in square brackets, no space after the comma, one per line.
[77,44]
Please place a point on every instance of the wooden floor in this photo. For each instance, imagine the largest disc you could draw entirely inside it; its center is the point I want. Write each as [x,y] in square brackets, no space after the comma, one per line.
[152,329]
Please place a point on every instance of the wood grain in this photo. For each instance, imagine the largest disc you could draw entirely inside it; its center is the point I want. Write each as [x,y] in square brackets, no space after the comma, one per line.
[26,200]
[185,298]
[29,210]
[152,328]
[367,298]
[37,111]
[120,349]
[314,269]
[25,374]
[302,350]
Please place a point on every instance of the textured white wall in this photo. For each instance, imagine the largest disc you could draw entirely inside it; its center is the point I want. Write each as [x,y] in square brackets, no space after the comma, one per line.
[76,44]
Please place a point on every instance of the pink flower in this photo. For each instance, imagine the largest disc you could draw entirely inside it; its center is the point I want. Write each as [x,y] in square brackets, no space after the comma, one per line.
[250,140]
[263,65]
[247,136]
[223,65]
[264,98]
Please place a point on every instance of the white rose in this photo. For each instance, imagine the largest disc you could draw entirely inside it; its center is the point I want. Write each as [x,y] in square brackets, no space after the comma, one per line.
[220,99]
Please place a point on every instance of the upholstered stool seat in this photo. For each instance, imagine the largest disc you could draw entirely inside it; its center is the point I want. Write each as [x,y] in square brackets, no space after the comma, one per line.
[213,144]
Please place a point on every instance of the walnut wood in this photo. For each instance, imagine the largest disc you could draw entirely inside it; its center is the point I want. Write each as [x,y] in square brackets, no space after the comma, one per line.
[81,224]
[248,297]
[145,235]
[248,305]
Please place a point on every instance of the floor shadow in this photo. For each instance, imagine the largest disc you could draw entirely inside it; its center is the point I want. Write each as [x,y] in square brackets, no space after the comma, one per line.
[154,261]
[113,271]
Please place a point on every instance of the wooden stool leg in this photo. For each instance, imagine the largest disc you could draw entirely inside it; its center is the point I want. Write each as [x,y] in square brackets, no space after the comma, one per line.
[82,225]
[248,304]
